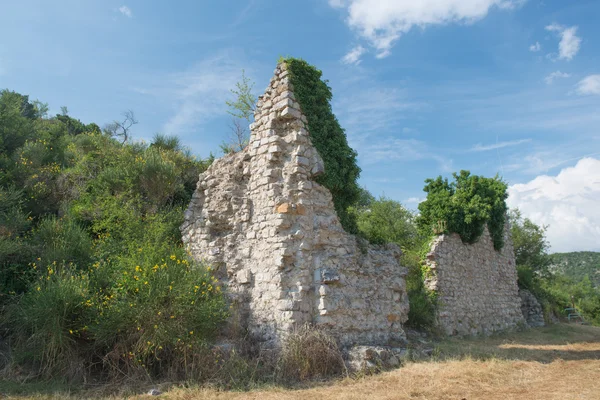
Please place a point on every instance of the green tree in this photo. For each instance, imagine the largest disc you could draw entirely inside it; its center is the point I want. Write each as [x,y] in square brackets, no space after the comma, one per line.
[387,221]
[530,244]
[242,110]
[341,168]
[465,206]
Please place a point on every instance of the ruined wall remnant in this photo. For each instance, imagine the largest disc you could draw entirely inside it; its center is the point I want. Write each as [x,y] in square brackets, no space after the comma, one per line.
[275,239]
[531,309]
[476,285]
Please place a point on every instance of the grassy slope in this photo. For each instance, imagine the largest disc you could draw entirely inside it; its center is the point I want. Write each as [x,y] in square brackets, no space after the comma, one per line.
[556,362]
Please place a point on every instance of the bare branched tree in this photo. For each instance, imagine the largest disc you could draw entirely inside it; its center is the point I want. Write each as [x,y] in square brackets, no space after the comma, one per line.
[238,137]
[121,128]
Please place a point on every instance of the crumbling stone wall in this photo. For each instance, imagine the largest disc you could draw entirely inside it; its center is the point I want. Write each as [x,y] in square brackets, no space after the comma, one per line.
[476,285]
[273,235]
[531,309]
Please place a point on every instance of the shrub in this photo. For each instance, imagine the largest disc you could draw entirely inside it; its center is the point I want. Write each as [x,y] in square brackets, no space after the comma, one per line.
[49,321]
[421,300]
[62,240]
[386,221]
[465,206]
[156,313]
[309,353]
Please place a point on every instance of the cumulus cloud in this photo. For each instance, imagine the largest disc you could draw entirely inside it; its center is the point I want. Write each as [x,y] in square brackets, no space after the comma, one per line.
[382,22]
[569,43]
[535,47]
[353,56]
[555,75]
[126,11]
[567,203]
[589,85]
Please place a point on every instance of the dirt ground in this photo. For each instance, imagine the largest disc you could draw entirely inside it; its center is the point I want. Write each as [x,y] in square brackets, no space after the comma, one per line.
[557,362]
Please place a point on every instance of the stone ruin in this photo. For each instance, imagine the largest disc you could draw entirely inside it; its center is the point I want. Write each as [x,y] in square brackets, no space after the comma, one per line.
[476,285]
[531,309]
[272,233]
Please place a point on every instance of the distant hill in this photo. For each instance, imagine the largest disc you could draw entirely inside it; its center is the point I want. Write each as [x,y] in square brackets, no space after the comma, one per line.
[577,265]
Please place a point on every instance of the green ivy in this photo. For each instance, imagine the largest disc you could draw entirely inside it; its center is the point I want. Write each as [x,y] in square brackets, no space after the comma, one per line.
[341,170]
[465,206]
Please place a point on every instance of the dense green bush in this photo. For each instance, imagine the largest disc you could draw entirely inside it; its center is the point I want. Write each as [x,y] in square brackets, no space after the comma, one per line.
[93,273]
[386,221]
[465,206]
[328,137]
[47,320]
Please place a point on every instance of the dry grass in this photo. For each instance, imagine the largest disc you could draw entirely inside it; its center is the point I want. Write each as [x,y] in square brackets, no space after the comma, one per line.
[558,362]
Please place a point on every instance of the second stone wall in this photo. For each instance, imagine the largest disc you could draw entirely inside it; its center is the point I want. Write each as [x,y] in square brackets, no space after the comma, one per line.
[475,284]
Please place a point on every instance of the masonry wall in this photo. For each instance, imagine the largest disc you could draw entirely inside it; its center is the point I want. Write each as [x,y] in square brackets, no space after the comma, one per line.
[476,285]
[274,238]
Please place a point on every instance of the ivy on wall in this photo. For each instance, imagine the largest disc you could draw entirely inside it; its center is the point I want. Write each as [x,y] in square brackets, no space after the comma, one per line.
[341,169]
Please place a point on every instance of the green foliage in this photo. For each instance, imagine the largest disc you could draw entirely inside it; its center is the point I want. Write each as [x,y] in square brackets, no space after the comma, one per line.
[90,248]
[577,265]
[382,221]
[243,105]
[422,301]
[465,206]
[556,283]
[154,311]
[386,221]
[44,321]
[242,111]
[529,242]
[328,137]
[63,241]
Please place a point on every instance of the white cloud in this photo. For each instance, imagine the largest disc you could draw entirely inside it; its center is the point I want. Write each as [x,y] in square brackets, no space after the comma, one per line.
[382,22]
[555,75]
[569,43]
[589,85]
[481,147]
[414,200]
[402,150]
[353,56]
[197,94]
[567,203]
[366,111]
[535,47]
[126,11]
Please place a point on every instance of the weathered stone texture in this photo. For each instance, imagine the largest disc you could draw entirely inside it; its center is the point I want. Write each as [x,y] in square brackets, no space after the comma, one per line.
[273,235]
[476,285]
[531,309]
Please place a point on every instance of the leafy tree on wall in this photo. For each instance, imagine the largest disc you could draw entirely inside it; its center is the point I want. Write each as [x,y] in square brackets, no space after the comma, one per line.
[465,206]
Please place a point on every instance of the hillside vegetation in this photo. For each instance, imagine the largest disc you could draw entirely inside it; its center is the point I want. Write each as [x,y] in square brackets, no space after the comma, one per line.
[93,275]
[578,265]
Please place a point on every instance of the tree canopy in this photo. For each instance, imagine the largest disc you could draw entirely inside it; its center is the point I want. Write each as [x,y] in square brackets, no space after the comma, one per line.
[465,206]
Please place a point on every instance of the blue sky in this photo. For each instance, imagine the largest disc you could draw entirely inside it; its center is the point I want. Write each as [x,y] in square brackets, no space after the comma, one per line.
[422,88]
